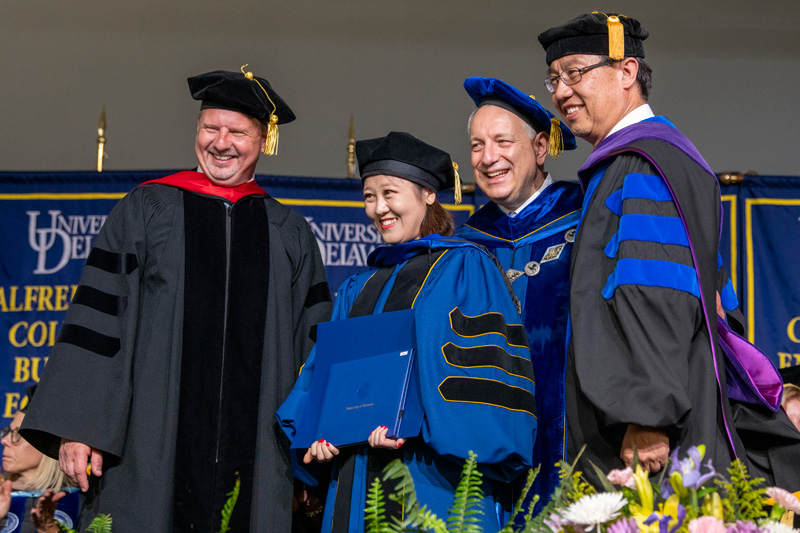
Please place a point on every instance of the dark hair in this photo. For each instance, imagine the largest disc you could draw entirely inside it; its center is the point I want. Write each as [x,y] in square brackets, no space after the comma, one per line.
[437,220]
[644,76]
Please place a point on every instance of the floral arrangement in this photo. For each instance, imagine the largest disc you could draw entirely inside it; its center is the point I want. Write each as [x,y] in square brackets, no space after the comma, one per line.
[690,497]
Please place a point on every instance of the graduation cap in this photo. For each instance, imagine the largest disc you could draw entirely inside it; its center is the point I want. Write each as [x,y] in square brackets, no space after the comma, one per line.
[403,155]
[491,91]
[791,375]
[244,93]
[613,35]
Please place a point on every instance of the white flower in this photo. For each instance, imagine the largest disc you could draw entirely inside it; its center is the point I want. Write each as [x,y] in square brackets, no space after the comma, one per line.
[771,526]
[595,509]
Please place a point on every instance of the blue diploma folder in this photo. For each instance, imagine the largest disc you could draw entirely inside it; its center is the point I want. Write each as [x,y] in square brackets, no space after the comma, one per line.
[364,377]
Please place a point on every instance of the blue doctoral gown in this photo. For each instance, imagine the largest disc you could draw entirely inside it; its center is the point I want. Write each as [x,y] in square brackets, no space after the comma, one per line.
[535,248]
[475,376]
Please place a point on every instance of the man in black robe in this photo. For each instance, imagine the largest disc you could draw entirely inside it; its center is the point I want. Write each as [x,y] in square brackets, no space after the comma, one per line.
[190,324]
[645,371]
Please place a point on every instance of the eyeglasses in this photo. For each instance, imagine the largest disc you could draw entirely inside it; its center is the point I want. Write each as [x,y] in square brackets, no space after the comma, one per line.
[15,436]
[571,76]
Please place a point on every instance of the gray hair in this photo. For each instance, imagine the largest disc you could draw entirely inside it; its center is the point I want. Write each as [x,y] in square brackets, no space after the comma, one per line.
[527,127]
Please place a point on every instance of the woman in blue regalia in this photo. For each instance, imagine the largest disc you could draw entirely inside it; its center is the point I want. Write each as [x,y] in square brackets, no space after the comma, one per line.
[475,375]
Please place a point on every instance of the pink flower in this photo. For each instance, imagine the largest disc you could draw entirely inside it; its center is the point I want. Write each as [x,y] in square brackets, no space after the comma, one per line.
[706,524]
[784,498]
[622,477]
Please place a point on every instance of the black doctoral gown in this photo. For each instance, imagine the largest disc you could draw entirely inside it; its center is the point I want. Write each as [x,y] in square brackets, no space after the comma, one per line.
[188,329]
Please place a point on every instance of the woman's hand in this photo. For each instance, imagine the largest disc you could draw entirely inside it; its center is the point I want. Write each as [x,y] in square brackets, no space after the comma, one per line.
[378,439]
[5,498]
[43,515]
[321,451]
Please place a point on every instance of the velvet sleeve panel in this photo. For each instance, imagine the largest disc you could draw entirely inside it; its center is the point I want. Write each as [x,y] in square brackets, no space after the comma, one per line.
[85,392]
[639,374]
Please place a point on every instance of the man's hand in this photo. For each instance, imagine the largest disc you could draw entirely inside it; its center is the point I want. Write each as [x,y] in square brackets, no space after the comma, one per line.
[73,457]
[652,445]
[43,515]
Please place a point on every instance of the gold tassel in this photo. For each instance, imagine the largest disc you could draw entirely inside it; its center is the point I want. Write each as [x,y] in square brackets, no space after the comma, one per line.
[616,38]
[271,144]
[556,139]
[457,186]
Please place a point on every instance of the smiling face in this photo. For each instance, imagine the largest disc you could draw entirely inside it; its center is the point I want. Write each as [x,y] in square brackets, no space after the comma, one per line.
[593,106]
[507,163]
[228,145]
[396,206]
[20,460]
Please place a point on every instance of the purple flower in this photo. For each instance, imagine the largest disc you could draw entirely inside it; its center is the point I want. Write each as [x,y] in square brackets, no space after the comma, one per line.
[624,525]
[664,520]
[743,527]
[689,468]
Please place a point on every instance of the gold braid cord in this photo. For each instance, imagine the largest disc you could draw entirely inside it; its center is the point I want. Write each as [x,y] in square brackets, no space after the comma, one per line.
[457,186]
[271,145]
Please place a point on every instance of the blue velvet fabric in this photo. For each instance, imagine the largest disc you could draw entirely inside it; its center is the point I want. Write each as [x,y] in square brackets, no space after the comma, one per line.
[516,241]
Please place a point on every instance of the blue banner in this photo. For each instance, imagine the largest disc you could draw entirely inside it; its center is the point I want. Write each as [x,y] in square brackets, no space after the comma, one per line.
[50,220]
[760,247]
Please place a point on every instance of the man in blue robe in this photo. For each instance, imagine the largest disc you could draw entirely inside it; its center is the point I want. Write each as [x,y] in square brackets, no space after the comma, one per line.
[645,371]
[529,226]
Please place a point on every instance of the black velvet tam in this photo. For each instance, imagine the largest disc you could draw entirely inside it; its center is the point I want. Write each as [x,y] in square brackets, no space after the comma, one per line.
[791,375]
[233,91]
[403,155]
[588,34]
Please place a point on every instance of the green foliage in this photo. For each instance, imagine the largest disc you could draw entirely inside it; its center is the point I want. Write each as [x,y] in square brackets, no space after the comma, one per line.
[742,498]
[100,524]
[468,502]
[375,514]
[227,510]
[518,507]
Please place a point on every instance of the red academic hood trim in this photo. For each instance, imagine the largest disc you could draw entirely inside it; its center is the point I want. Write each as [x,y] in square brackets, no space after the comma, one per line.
[190,180]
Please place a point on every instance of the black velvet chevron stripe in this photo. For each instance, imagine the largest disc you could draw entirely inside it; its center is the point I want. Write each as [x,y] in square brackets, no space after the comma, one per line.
[115,263]
[368,297]
[409,281]
[488,356]
[319,293]
[473,326]
[487,392]
[88,339]
[104,302]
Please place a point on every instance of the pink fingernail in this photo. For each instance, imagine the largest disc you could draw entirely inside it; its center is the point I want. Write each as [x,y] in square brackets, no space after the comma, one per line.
[321,440]
[399,444]
[327,444]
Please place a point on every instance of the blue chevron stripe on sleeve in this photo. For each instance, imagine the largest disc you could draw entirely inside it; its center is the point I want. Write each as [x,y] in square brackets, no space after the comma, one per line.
[728,296]
[652,274]
[647,186]
[650,228]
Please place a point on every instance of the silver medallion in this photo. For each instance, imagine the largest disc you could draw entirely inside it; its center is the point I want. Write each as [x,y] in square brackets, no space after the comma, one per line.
[532,268]
[570,235]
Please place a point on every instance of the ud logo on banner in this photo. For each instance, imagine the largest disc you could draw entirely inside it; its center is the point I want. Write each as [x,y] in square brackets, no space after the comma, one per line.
[66,238]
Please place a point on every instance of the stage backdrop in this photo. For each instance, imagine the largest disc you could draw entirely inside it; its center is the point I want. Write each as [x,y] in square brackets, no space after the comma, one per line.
[50,219]
[762,248]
